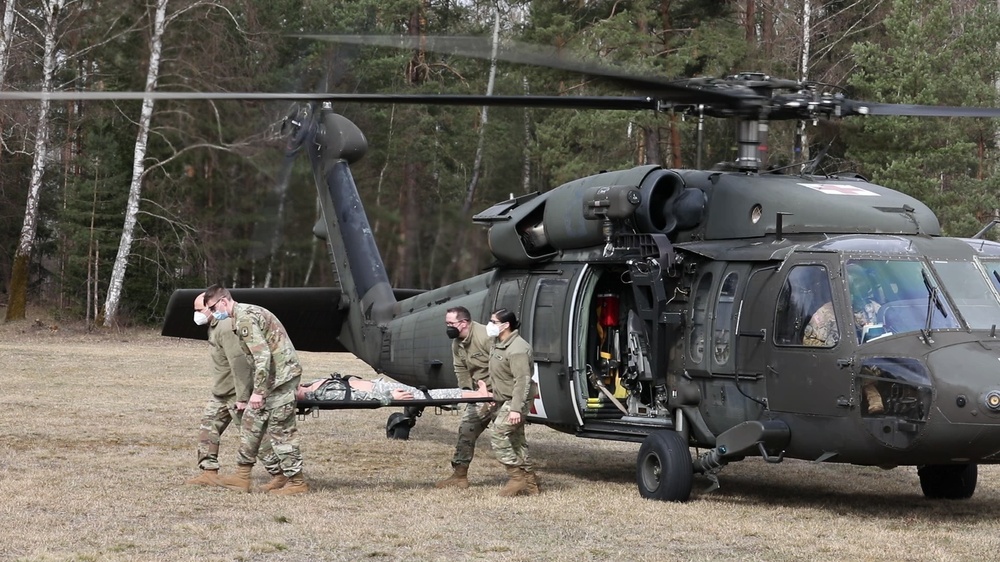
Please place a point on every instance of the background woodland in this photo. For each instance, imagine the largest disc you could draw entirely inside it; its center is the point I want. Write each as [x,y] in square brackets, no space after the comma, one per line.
[106,207]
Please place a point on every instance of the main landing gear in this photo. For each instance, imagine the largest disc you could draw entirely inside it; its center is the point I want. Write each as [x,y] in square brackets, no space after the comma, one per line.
[664,470]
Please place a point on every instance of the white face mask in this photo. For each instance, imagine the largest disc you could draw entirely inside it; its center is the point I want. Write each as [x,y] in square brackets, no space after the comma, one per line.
[200,318]
[492,330]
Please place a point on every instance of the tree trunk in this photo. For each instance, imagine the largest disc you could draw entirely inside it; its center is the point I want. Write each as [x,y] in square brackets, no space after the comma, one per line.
[22,256]
[460,252]
[6,35]
[802,142]
[526,164]
[409,228]
[138,168]
[470,192]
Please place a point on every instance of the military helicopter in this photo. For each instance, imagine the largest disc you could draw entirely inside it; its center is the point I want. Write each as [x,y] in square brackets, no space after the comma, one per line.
[735,311]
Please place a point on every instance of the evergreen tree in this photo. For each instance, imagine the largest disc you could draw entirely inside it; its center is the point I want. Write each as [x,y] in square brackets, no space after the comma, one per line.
[932,54]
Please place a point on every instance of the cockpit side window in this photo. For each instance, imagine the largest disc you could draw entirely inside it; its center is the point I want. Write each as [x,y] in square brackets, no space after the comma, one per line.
[804,313]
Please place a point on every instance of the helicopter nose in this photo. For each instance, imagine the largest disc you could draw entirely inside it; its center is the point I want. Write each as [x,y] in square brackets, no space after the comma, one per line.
[967,378]
[943,405]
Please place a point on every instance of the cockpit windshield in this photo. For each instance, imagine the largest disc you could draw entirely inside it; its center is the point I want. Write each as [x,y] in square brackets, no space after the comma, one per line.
[893,296]
[968,288]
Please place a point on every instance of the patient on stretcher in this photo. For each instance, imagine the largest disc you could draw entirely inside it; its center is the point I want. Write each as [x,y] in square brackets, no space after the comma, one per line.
[353,388]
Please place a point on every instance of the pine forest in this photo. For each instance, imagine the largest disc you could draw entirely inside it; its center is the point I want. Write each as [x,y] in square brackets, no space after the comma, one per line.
[108,206]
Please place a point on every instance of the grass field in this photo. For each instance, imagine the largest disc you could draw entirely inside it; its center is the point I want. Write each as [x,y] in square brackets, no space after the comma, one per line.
[99,433]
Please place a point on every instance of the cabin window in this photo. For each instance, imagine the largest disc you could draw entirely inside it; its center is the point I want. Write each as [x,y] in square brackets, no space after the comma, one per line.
[547,335]
[509,295]
[724,319]
[804,313]
[699,318]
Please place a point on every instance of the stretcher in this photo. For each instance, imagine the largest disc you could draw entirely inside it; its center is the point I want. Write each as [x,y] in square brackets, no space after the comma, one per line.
[399,424]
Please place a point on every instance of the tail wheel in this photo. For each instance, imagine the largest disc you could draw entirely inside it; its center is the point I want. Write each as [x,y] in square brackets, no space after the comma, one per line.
[398,426]
[948,481]
[663,469]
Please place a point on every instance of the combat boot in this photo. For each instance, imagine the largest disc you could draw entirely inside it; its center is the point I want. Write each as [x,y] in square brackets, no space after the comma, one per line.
[874,398]
[531,478]
[517,482]
[277,481]
[206,478]
[458,479]
[239,481]
[295,485]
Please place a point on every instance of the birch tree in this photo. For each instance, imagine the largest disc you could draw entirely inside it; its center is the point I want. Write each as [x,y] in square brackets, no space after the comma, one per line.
[6,36]
[158,27]
[26,241]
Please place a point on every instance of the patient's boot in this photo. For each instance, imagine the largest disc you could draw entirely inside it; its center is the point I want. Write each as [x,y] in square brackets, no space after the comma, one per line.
[295,485]
[458,479]
[239,481]
[874,399]
[206,478]
[277,482]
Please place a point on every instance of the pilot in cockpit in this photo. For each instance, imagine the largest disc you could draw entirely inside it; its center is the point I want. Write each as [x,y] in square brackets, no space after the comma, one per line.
[863,303]
[865,308]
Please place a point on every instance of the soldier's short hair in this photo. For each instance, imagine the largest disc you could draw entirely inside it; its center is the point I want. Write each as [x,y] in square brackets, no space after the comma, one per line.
[216,292]
[460,312]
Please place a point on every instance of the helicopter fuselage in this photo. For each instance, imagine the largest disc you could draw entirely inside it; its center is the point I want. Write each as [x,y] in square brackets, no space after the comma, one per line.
[818,318]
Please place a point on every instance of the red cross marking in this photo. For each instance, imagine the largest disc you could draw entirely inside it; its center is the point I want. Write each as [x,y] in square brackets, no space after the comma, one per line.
[839,189]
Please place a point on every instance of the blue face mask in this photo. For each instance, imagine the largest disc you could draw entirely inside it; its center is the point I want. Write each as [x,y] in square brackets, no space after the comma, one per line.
[220,315]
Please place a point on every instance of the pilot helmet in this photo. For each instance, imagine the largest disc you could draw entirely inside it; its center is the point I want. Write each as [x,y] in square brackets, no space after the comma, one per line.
[859,285]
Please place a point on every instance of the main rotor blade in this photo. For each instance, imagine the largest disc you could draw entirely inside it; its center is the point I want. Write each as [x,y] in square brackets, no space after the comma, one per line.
[568,102]
[678,92]
[856,107]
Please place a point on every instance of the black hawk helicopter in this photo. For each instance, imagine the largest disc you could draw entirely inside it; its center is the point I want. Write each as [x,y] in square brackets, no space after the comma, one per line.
[739,312]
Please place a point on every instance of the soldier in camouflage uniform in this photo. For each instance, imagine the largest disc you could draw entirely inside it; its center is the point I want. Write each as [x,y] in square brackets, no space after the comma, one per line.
[821,331]
[470,351]
[230,367]
[276,374]
[511,367]
[232,385]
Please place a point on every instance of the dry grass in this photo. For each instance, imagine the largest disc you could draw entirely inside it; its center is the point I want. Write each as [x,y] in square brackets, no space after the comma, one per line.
[99,432]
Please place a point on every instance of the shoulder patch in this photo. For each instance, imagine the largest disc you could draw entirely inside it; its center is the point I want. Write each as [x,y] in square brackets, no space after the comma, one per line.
[244,331]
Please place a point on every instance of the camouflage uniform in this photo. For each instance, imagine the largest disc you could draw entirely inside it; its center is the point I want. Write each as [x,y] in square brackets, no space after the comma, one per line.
[276,374]
[513,390]
[822,329]
[336,389]
[471,358]
[232,382]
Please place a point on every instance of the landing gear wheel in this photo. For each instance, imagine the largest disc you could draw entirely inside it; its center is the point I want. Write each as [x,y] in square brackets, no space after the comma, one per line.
[948,481]
[663,469]
[398,426]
